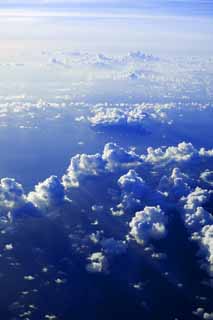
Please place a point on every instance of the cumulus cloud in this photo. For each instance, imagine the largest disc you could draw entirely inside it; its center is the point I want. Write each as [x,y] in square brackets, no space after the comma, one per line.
[108,117]
[120,118]
[135,194]
[195,216]
[182,153]
[11,194]
[84,165]
[196,199]
[206,245]
[133,191]
[97,263]
[117,157]
[13,201]
[128,202]
[148,224]
[197,219]
[133,183]
[49,193]
[199,223]
[176,185]
[139,116]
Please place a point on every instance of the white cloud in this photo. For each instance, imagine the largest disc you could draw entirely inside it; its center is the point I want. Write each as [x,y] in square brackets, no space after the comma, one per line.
[199,312]
[195,199]
[199,224]
[8,247]
[139,117]
[208,316]
[11,194]
[206,245]
[115,117]
[13,201]
[148,224]
[136,193]
[97,263]
[197,219]
[207,176]
[176,185]
[117,157]
[134,190]
[49,193]
[182,153]
[84,165]
[133,183]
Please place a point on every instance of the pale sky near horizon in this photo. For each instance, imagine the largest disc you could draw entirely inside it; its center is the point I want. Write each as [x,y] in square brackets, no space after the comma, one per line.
[158,27]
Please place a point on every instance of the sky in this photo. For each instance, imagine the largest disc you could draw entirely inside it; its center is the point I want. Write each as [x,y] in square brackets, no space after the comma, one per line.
[164,27]
[106,35]
[188,7]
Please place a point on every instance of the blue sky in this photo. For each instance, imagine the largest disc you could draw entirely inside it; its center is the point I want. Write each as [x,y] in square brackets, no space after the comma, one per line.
[182,7]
